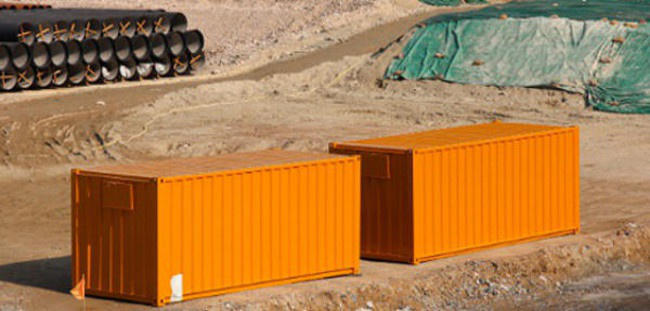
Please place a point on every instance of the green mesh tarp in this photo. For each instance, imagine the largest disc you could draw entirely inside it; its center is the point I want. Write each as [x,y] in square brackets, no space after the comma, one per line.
[600,48]
[451,2]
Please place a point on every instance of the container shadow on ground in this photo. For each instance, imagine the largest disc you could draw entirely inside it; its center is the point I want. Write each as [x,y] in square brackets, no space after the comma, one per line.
[49,273]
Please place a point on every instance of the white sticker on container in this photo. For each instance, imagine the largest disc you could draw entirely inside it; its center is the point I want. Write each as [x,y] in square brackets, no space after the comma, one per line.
[176,283]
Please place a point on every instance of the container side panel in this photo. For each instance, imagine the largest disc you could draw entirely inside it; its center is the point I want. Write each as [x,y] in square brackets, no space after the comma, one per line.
[292,216]
[283,214]
[453,199]
[228,251]
[494,193]
[219,232]
[112,248]
[467,195]
[536,184]
[505,189]
[560,187]
[257,227]
[274,225]
[208,240]
[524,176]
[266,226]
[236,255]
[198,231]
[517,173]
[554,211]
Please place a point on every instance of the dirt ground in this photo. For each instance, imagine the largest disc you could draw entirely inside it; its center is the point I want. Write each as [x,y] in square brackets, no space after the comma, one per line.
[302,101]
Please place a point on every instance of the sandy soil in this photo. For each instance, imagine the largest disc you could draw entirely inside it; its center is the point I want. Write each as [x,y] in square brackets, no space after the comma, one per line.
[326,95]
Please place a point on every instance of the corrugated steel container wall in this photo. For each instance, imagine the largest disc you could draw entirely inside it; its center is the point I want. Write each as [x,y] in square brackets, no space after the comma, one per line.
[466,188]
[224,231]
[498,192]
[248,229]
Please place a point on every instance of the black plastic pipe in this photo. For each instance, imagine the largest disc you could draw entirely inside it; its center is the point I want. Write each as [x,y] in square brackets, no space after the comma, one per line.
[8,78]
[110,28]
[158,46]
[89,51]
[161,22]
[163,66]
[110,70]
[144,26]
[145,69]
[96,23]
[197,61]
[92,29]
[106,49]
[25,77]
[194,41]
[93,72]
[44,32]
[127,26]
[178,21]
[18,25]
[123,50]
[128,69]
[60,76]
[5,57]
[40,55]
[77,73]
[61,30]
[58,53]
[127,22]
[132,21]
[19,52]
[175,43]
[181,64]
[73,49]
[76,30]
[140,48]
[16,31]
[43,77]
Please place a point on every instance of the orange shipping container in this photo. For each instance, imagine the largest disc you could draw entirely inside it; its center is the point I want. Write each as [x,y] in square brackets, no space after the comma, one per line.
[439,193]
[174,230]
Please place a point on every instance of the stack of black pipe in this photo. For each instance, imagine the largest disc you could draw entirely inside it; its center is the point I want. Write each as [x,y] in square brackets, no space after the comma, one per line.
[60,47]
[22,6]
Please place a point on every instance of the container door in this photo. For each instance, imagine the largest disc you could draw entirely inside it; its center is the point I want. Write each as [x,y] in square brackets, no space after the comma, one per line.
[115,237]
[386,211]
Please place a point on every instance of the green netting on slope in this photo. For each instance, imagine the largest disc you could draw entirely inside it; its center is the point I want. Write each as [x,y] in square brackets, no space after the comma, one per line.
[450,2]
[575,50]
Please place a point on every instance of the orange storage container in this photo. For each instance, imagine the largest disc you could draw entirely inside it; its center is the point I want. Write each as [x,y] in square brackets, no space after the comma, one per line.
[439,193]
[174,230]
